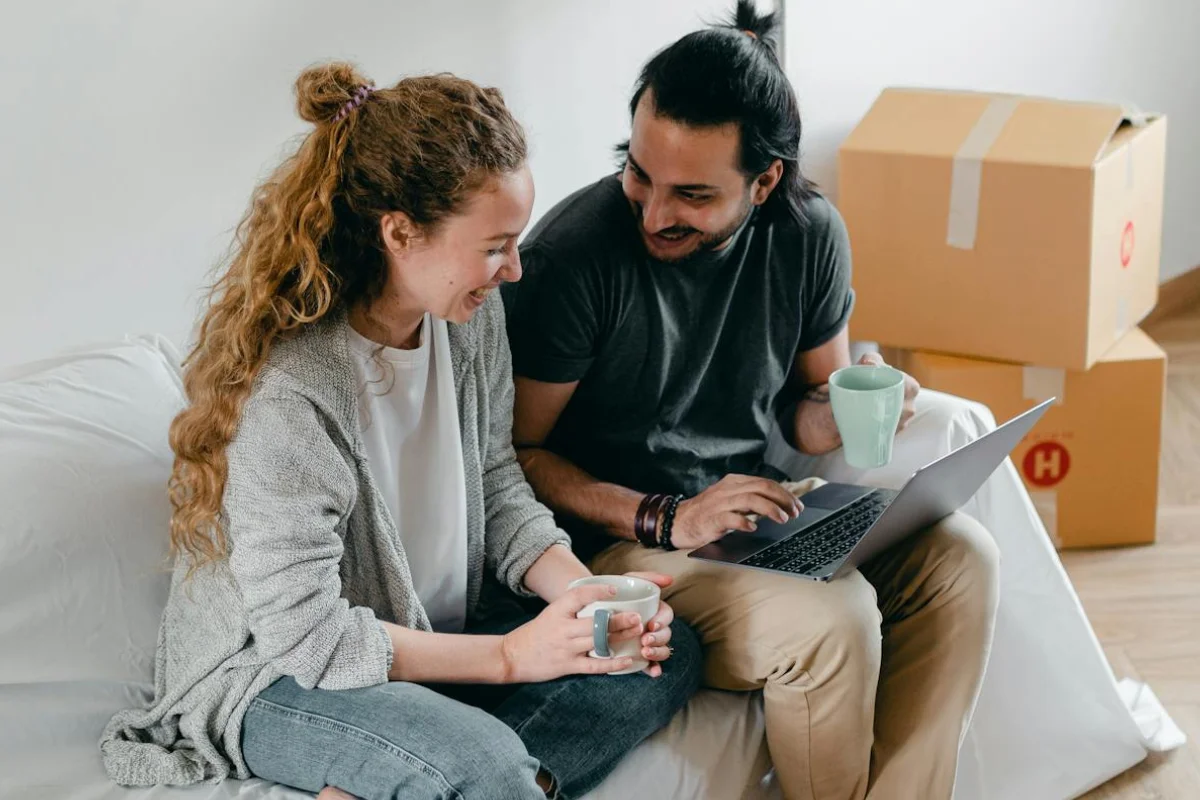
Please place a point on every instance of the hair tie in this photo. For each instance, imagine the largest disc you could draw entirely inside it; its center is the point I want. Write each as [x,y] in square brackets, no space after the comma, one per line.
[360,96]
[751,34]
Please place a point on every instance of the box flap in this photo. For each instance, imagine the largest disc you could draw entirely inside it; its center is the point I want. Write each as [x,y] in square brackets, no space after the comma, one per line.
[1133,346]
[1131,125]
[917,122]
[1056,133]
[1030,130]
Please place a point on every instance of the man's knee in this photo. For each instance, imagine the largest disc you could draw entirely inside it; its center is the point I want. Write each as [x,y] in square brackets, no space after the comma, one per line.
[848,624]
[966,557]
[816,631]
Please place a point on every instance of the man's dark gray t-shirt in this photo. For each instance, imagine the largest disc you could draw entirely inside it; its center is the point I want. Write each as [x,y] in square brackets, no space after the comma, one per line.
[682,368]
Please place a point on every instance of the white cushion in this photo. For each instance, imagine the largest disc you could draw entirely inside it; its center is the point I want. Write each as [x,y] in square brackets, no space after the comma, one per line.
[84,462]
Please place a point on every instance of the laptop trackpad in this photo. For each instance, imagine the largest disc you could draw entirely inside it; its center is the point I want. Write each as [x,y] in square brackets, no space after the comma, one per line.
[737,545]
[834,495]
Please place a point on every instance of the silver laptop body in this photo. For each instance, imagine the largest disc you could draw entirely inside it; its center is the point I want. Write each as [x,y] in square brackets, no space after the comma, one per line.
[844,525]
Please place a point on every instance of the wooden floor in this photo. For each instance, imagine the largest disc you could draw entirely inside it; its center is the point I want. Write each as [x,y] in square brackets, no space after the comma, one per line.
[1145,602]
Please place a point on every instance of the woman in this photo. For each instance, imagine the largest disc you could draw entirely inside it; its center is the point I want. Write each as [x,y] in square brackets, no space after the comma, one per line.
[346,491]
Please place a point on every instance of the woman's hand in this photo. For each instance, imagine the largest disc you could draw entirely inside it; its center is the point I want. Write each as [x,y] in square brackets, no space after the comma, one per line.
[657,639]
[556,643]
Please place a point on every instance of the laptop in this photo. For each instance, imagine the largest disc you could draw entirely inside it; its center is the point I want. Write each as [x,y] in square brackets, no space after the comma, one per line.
[844,525]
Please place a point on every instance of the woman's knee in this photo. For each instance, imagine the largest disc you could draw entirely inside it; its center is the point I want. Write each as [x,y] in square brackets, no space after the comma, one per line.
[493,762]
[684,670]
[394,740]
[653,702]
[489,762]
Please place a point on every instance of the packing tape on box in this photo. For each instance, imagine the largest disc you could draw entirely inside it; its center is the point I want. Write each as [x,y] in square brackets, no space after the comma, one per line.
[1122,316]
[966,174]
[1038,384]
[1046,505]
[1129,166]
[1042,383]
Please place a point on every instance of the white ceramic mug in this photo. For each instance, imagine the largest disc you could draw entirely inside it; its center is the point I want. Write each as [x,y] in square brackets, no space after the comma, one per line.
[636,595]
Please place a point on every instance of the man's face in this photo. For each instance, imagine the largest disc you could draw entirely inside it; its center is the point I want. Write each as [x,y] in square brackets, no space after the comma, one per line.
[684,184]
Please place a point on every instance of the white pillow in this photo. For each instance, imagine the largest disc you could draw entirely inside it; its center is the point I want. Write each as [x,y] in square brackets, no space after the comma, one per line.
[84,463]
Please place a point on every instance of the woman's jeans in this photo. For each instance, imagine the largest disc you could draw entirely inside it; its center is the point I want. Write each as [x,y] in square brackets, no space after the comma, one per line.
[406,740]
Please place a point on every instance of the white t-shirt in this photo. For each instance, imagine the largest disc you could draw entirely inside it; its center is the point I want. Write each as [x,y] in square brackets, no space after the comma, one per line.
[409,419]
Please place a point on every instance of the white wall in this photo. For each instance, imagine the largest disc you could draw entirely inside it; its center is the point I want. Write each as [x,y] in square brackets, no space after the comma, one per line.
[1144,52]
[131,133]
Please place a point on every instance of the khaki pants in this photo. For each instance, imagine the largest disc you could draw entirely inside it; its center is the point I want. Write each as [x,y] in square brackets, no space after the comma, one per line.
[869,680]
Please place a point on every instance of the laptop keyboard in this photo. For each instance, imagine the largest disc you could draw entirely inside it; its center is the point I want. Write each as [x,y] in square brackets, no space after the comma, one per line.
[825,543]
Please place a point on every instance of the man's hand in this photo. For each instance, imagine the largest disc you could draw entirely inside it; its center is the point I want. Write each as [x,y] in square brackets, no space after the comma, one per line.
[726,505]
[911,389]
[816,431]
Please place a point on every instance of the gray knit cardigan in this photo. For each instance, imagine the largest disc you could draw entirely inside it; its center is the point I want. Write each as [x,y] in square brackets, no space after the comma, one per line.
[315,559]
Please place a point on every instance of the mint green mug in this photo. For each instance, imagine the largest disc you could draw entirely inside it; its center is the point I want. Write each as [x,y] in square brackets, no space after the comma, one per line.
[867,401]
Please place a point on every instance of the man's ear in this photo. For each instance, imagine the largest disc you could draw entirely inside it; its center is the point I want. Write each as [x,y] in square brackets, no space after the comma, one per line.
[765,183]
[397,232]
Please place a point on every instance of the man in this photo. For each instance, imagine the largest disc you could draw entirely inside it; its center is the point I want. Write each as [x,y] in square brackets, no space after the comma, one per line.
[670,316]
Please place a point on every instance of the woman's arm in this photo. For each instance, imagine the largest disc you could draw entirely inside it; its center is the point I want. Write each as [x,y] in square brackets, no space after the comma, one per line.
[425,657]
[519,530]
[553,644]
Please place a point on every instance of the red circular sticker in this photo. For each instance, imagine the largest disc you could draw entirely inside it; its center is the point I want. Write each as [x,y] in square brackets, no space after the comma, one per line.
[1046,464]
[1127,244]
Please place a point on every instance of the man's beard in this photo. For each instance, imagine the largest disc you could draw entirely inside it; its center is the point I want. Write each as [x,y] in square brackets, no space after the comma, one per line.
[708,243]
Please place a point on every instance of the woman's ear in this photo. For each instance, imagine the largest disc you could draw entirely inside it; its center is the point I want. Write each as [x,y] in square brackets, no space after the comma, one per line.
[397,232]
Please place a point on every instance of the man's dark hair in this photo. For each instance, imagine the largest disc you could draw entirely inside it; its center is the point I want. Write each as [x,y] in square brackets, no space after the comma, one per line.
[730,73]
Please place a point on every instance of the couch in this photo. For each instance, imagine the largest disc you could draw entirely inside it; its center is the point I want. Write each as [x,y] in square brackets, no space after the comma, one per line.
[83,577]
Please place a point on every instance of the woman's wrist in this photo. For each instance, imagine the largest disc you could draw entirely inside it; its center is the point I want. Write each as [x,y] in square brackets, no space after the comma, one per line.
[550,575]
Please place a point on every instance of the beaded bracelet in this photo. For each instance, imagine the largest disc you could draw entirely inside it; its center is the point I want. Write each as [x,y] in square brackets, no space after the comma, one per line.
[654,520]
[668,522]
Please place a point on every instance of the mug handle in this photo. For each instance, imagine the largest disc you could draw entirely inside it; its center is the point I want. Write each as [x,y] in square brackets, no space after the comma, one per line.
[600,632]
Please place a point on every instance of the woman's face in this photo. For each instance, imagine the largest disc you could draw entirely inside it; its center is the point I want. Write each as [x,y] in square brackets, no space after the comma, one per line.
[451,271]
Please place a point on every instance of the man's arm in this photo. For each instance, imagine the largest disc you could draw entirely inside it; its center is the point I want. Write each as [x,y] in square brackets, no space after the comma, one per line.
[569,490]
[558,483]
[827,304]
[813,429]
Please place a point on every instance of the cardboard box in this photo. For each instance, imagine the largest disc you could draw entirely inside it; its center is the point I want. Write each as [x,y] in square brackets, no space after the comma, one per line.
[1091,464]
[1000,226]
